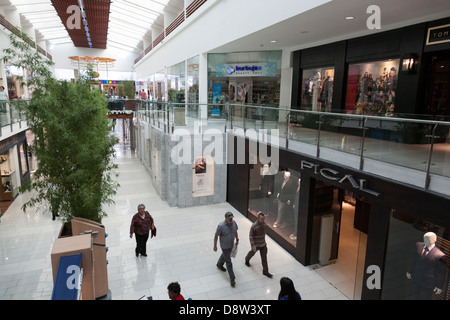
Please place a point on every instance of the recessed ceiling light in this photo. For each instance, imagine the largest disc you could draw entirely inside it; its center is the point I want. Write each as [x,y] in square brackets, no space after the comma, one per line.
[349,18]
[273,41]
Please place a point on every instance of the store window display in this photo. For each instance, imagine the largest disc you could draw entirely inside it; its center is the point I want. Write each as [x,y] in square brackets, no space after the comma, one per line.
[244,77]
[176,82]
[371,87]
[192,79]
[427,271]
[277,195]
[417,259]
[6,178]
[317,90]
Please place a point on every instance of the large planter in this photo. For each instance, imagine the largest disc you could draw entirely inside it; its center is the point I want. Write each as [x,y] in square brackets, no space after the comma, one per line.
[130,105]
[66,230]
[80,226]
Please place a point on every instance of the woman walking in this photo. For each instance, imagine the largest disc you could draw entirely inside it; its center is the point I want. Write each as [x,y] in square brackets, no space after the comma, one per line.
[141,224]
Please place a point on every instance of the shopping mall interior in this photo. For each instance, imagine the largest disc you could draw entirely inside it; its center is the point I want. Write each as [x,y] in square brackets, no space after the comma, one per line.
[331,117]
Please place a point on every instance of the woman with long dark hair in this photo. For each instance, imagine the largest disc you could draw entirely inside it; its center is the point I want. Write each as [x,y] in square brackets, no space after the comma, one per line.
[288,291]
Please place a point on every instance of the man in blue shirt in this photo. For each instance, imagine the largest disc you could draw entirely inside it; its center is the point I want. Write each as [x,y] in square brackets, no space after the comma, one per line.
[226,232]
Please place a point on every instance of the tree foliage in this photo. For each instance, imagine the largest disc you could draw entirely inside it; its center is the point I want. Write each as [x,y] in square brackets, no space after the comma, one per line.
[72,144]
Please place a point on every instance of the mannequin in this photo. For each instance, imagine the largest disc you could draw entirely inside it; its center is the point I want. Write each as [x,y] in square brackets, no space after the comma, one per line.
[293,236]
[266,182]
[428,268]
[285,200]
[308,92]
[323,96]
[266,189]
[318,86]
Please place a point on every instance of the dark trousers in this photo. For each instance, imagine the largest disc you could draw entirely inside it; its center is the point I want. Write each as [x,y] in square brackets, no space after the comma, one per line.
[141,243]
[263,253]
[421,292]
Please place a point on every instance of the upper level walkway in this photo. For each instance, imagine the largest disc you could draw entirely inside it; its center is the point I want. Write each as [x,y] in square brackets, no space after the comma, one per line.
[412,149]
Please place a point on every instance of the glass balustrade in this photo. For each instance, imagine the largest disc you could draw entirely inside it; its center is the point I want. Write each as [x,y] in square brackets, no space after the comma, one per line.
[417,142]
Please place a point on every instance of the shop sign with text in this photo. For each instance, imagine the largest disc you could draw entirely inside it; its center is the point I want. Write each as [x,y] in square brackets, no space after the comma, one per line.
[438,35]
[267,69]
[334,175]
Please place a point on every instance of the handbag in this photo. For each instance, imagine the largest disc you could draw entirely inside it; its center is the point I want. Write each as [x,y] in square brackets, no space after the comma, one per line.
[153,231]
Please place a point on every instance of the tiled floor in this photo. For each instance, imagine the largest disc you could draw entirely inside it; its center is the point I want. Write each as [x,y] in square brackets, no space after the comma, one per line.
[182,250]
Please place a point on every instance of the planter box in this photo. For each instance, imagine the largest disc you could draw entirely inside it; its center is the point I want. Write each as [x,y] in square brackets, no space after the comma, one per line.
[130,105]
[68,246]
[97,231]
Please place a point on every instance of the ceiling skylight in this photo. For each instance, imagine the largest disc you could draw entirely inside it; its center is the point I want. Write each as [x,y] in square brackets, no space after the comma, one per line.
[129,20]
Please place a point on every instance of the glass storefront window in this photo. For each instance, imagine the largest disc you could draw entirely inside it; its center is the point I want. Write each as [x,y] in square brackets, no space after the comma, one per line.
[244,77]
[15,88]
[317,89]
[371,87]
[160,86]
[192,79]
[278,197]
[409,272]
[176,82]
[23,158]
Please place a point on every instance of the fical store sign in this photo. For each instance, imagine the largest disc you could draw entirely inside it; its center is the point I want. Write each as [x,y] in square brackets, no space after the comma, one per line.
[334,175]
[267,69]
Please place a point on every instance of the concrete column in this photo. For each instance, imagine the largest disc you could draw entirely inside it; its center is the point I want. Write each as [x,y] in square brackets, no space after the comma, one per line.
[203,85]
[169,16]
[31,33]
[3,81]
[147,40]
[156,31]
[13,17]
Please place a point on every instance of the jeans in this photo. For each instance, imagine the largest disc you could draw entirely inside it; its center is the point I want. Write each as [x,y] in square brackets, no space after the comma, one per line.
[225,257]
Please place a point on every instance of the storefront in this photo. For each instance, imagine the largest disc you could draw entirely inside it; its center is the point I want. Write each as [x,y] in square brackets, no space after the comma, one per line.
[244,77]
[15,87]
[110,87]
[14,165]
[357,230]
[399,71]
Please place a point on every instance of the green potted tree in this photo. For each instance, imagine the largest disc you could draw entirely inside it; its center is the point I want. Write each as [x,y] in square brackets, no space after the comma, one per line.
[72,143]
[130,92]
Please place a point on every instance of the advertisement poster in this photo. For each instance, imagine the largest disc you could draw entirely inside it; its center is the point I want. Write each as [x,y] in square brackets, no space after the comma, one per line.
[216,98]
[203,176]
[216,93]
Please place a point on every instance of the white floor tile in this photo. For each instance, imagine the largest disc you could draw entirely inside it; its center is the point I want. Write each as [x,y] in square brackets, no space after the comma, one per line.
[182,250]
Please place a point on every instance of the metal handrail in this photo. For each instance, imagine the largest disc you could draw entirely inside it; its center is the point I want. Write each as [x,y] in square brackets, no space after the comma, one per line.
[247,119]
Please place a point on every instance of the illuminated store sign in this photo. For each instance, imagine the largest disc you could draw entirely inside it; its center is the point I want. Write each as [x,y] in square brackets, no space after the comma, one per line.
[438,35]
[267,69]
[334,175]
[111,82]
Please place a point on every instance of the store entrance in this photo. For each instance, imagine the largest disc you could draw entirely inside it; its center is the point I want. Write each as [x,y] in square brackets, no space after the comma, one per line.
[338,246]
[438,91]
